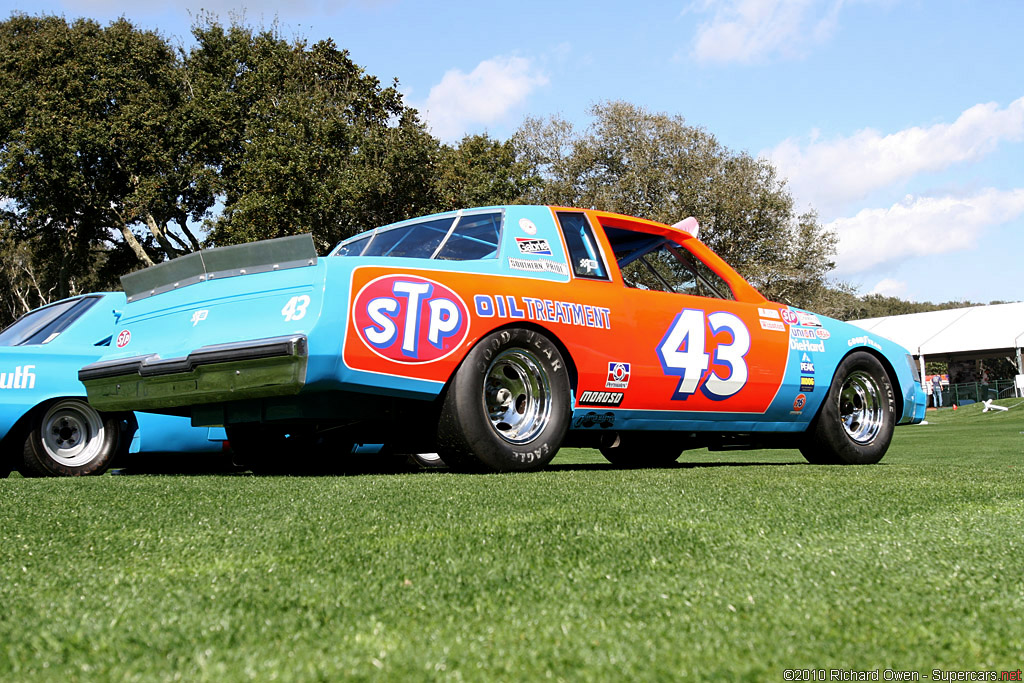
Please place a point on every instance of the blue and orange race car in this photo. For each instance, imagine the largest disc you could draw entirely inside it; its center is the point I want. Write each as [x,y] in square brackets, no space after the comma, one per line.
[494,336]
[46,426]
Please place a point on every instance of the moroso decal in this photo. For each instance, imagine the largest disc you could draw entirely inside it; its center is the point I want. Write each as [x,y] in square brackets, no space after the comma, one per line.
[410,319]
[600,398]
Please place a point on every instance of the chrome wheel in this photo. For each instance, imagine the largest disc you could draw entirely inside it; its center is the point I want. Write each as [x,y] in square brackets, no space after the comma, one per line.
[72,433]
[517,396]
[860,407]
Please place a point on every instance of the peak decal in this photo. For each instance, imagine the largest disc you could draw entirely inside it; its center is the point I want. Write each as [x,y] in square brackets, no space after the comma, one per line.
[410,319]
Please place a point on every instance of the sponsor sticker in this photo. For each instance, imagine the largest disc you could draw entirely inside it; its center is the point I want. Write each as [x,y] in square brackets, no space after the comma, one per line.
[806,365]
[789,317]
[527,226]
[538,265]
[807,384]
[123,337]
[199,316]
[823,333]
[776,325]
[410,319]
[807,345]
[592,418]
[799,403]
[808,319]
[618,376]
[802,333]
[533,245]
[768,313]
[546,310]
[21,378]
[601,398]
[864,341]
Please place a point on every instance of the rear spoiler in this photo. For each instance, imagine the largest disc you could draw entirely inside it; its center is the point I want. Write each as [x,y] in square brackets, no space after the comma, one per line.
[282,253]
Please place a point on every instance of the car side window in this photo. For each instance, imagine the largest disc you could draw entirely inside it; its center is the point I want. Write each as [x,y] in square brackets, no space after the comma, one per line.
[584,254]
[655,263]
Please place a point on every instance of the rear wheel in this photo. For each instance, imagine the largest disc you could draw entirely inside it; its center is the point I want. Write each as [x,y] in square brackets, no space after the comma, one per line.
[856,421]
[507,408]
[69,438]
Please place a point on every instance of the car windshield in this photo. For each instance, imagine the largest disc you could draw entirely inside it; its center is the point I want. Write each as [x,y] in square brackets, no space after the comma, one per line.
[43,325]
[654,263]
[455,237]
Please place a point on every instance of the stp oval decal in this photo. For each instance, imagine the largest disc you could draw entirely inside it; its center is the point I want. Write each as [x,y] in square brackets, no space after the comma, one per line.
[123,337]
[410,319]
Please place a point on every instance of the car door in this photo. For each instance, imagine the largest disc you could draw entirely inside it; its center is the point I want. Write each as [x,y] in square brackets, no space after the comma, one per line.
[702,340]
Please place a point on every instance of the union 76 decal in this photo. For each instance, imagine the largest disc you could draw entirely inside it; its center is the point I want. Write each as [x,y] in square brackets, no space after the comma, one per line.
[410,319]
[683,352]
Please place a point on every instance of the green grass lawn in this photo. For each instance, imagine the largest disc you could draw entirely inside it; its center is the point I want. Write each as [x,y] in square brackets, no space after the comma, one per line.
[732,566]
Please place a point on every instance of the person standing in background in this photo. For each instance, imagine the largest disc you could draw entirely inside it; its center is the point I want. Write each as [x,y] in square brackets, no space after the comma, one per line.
[937,391]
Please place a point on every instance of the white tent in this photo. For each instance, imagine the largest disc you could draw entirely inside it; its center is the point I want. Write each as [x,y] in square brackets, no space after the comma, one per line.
[978,332]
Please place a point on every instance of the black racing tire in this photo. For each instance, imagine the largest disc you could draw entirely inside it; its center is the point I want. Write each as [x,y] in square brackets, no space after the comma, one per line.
[855,423]
[69,438]
[641,450]
[507,408]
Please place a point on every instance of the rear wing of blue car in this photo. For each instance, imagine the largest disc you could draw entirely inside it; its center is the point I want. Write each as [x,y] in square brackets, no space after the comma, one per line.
[282,253]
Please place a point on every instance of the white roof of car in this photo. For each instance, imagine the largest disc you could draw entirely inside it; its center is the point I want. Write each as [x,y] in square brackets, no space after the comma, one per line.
[981,330]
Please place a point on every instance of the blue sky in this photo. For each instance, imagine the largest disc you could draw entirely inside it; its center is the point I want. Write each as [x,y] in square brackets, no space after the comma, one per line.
[900,121]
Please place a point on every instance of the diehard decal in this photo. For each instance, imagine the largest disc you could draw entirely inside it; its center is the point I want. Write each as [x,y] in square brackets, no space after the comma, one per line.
[410,319]
[618,376]
[601,398]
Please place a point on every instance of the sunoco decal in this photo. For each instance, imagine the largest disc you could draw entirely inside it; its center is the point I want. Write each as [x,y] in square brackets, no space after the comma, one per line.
[410,319]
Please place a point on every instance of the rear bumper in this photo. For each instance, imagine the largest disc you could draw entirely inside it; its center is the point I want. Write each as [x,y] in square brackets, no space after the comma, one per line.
[223,372]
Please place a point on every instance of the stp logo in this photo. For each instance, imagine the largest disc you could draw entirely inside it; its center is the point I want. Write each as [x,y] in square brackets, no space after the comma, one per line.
[789,317]
[123,337]
[410,319]
[618,376]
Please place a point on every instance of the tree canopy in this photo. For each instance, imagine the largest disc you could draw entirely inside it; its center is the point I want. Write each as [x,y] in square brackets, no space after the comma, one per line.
[638,163]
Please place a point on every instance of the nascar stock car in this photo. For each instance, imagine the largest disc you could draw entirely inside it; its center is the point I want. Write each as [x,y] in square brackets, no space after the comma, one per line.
[46,426]
[493,336]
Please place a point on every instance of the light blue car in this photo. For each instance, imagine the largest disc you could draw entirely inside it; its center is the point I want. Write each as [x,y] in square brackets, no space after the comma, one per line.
[47,428]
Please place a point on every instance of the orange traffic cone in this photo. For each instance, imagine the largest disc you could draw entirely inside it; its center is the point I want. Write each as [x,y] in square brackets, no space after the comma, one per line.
[954,406]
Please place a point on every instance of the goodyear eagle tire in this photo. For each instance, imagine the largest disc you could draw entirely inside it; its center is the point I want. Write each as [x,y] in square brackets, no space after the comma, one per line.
[69,438]
[855,423]
[507,407]
[639,449]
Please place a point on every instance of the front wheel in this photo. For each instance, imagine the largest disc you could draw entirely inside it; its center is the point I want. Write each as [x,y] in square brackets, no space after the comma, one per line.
[856,421]
[68,439]
[507,407]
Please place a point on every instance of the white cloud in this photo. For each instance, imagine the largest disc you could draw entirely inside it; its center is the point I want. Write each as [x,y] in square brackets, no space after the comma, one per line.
[830,173]
[921,226]
[746,31]
[889,287]
[486,95]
